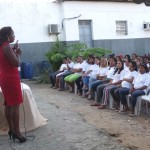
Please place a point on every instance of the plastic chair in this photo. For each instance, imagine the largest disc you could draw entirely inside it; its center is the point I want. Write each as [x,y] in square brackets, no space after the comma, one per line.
[143,98]
[137,106]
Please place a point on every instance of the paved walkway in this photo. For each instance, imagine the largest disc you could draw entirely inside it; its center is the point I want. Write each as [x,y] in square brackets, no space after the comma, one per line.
[66,130]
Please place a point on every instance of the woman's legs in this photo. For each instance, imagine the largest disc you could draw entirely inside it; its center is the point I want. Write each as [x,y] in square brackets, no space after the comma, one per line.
[15,119]
[12,117]
[106,92]
[114,96]
[99,92]
[8,117]
[134,97]
[91,81]
[122,94]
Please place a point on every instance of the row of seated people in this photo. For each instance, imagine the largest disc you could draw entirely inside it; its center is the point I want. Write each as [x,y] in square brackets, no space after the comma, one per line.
[98,78]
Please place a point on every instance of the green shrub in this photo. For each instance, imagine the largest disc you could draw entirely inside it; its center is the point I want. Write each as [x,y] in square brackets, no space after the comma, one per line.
[59,50]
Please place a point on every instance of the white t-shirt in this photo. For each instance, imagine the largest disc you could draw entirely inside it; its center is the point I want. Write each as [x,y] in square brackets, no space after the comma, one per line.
[110,72]
[86,67]
[78,66]
[102,71]
[94,68]
[71,65]
[141,80]
[129,75]
[63,66]
[126,70]
[117,77]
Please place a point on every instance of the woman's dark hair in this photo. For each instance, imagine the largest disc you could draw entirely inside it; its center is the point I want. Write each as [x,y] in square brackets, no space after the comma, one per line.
[97,58]
[145,66]
[134,65]
[4,32]
[119,70]
[128,57]
[115,60]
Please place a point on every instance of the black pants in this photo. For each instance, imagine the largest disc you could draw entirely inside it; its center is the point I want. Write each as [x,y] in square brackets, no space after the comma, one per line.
[62,82]
[53,77]
[79,84]
[115,94]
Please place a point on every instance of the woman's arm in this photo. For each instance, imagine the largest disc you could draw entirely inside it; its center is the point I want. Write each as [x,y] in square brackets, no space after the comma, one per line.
[12,55]
[128,80]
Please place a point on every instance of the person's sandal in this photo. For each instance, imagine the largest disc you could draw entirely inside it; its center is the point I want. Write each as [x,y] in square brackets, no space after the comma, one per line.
[102,107]
[95,104]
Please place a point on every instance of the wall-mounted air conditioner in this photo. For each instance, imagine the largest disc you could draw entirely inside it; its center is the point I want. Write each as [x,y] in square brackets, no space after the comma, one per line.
[146,26]
[53,29]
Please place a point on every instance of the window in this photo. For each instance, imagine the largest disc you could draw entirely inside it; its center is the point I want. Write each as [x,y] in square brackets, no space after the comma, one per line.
[85,33]
[121,28]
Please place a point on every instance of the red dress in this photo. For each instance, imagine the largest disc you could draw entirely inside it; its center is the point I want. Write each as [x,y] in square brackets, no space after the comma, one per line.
[9,80]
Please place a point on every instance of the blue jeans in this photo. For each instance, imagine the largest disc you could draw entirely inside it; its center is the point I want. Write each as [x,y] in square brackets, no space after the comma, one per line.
[122,92]
[134,96]
[86,80]
[91,81]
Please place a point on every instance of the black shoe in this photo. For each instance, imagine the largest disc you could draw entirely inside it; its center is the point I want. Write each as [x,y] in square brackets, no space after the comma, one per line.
[10,134]
[21,139]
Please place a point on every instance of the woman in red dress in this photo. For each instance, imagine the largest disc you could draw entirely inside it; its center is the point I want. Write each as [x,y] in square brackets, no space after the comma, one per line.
[10,81]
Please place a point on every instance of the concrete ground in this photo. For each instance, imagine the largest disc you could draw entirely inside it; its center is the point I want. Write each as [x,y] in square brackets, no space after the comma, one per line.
[67,129]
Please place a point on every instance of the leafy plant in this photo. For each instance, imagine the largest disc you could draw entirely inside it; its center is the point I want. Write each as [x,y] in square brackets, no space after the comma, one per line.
[56,54]
[59,50]
[44,78]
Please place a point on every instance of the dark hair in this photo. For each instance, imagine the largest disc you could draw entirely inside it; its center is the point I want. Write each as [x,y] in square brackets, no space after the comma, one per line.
[97,57]
[4,32]
[119,70]
[134,65]
[69,57]
[128,56]
[91,57]
[145,66]
[119,58]
[115,60]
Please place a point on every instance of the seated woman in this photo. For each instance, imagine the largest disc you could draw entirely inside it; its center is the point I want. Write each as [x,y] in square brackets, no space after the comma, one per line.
[116,81]
[70,65]
[125,87]
[30,117]
[53,75]
[139,86]
[105,74]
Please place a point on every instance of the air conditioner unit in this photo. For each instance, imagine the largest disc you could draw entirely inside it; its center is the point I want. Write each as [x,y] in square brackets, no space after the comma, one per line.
[146,26]
[53,29]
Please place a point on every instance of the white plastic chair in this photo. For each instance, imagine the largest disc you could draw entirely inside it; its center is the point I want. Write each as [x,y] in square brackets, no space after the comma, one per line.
[111,102]
[143,98]
[138,104]
[75,88]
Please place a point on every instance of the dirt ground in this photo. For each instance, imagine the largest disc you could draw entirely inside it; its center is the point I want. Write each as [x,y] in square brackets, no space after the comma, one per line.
[133,132]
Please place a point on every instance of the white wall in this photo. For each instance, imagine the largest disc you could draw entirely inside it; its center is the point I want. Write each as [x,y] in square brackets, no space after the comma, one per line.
[103,16]
[30,19]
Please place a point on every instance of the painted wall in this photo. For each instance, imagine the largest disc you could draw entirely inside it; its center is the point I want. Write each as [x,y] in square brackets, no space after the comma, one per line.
[30,22]
[104,16]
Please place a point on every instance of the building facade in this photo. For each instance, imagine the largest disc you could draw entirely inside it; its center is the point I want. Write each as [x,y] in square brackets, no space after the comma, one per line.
[122,27]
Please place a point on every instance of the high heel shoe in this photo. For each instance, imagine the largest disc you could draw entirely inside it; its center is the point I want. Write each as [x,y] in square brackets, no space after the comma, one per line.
[10,134]
[21,139]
